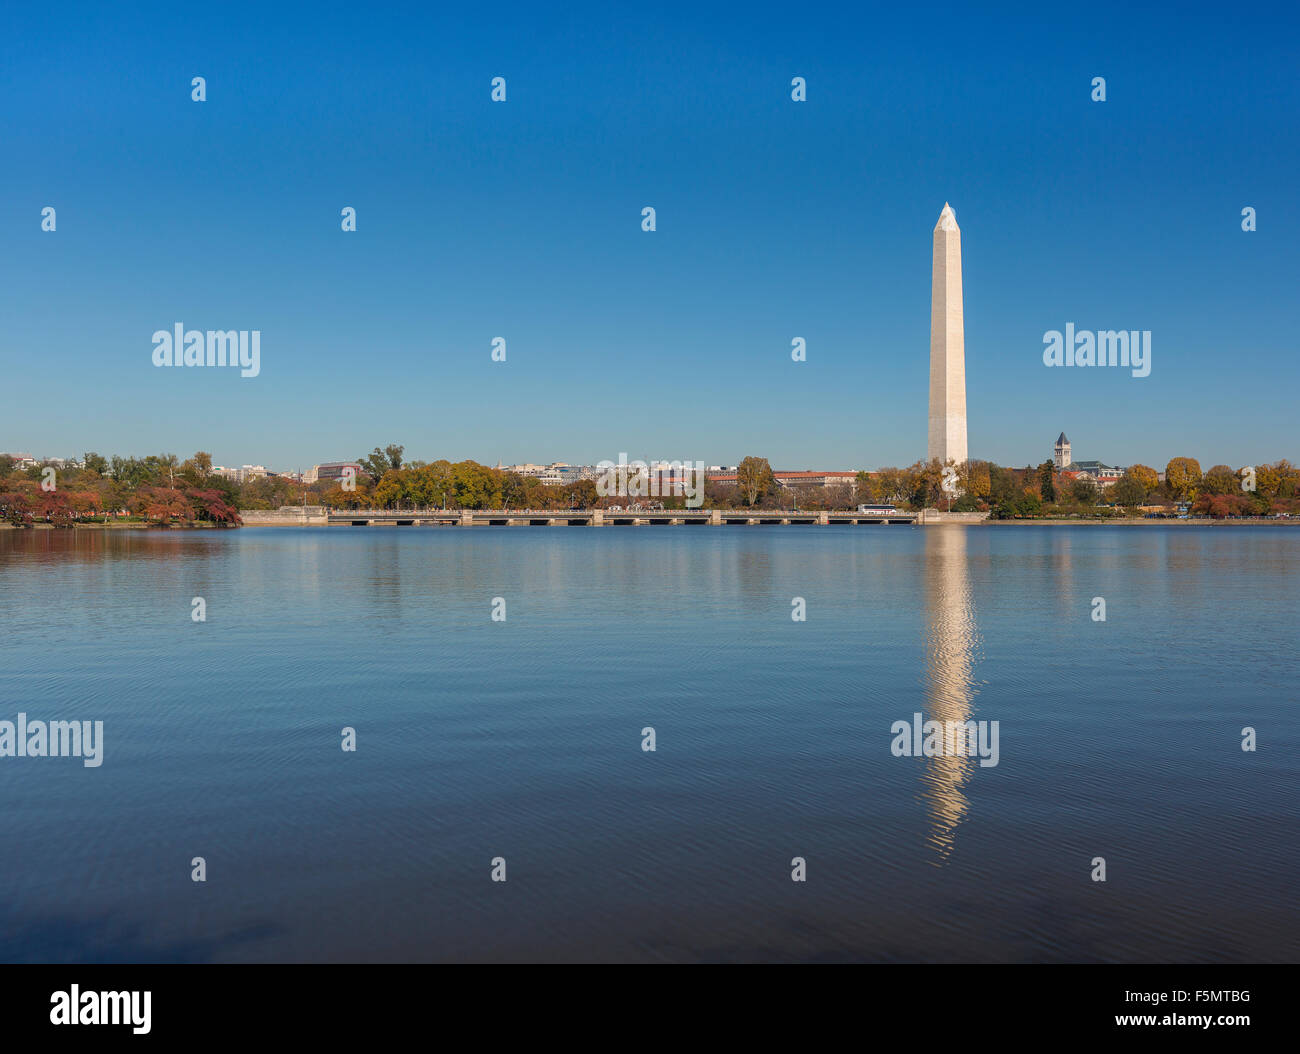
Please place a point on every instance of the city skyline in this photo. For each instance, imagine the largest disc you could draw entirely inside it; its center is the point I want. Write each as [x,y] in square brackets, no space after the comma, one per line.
[1032,459]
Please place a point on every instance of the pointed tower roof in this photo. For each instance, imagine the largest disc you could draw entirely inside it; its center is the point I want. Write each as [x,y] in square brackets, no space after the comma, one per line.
[947,219]
[1062,441]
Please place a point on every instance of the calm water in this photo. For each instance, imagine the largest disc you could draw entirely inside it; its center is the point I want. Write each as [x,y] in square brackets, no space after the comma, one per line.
[522,739]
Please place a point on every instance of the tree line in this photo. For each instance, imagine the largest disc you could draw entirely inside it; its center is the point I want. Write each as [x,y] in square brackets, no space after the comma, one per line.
[158,489]
[1040,491]
[161,489]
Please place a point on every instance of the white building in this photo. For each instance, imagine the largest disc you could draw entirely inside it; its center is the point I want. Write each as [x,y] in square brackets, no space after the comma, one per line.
[1061,454]
[242,474]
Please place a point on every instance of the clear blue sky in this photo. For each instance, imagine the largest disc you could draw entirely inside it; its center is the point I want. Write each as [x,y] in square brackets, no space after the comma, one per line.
[776,219]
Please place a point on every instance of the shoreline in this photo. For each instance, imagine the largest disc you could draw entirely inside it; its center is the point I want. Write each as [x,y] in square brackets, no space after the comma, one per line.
[1117,522]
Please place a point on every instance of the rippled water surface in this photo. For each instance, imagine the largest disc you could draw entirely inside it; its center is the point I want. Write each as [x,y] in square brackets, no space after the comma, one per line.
[522,739]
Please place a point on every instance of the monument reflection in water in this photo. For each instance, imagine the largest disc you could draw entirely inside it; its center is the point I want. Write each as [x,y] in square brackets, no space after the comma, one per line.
[950,653]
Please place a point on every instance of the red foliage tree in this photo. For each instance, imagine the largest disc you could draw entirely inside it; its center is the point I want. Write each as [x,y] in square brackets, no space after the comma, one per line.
[211,506]
[15,508]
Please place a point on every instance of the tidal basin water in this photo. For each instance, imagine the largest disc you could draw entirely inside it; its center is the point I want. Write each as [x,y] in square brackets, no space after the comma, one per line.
[522,739]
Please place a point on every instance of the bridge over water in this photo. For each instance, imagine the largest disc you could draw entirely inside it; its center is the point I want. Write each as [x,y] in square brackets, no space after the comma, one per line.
[599,517]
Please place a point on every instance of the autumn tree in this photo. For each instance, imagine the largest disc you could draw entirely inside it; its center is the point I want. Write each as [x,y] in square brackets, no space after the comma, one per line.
[754,479]
[1220,505]
[892,486]
[1143,474]
[338,498]
[53,506]
[868,489]
[1288,479]
[581,494]
[212,506]
[1220,480]
[1183,475]
[976,480]
[162,505]
[1268,481]
[15,507]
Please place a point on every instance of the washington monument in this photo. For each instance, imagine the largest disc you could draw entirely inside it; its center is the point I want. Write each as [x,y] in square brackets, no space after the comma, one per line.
[947,345]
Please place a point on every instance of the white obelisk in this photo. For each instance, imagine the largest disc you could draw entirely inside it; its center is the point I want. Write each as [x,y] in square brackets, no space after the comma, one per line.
[947,345]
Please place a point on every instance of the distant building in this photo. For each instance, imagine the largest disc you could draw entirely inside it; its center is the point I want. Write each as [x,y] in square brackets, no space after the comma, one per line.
[1101,474]
[1062,452]
[794,479]
[548,474]
[330,471]
[557,473]
[242,474]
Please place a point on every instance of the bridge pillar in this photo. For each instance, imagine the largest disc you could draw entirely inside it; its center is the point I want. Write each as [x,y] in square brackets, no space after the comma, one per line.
[466,518]
[824,518]
[598,517]
[715,518]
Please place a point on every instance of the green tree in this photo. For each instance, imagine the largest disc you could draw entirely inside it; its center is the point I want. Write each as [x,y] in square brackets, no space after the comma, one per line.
[380,461]
[1047,481]
[1127,491]
[165,466]
[432,485]
[476,486]
[1085,492]
[515,491]
[1028,504]
[1003,486]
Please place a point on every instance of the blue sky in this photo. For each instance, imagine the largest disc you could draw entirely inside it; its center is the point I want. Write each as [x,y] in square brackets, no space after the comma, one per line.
[522,219]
